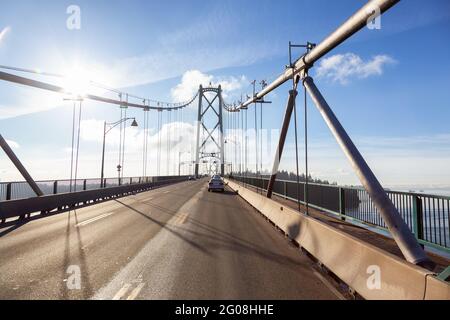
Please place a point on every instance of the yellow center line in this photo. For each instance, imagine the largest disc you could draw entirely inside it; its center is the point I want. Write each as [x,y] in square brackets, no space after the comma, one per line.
[136,291]
[183,220]
[122,292]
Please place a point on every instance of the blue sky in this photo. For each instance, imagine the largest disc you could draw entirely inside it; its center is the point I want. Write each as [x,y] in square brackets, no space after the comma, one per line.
[389,87]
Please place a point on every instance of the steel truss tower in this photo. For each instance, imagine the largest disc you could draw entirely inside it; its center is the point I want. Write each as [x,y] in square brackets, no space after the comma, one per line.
[210,106]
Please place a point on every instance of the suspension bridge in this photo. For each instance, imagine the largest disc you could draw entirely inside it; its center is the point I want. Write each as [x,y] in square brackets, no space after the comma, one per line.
[165,237]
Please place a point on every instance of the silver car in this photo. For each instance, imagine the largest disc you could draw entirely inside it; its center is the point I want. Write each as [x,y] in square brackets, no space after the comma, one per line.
[216,184]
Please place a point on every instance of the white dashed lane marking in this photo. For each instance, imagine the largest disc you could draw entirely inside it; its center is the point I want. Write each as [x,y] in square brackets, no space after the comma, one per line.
[86,222]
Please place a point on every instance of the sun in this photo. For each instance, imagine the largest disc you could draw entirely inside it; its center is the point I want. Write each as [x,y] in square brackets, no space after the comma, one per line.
[77,81]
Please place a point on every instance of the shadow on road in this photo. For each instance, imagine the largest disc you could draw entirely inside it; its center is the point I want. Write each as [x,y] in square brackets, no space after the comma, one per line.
[163,225]
[14,225]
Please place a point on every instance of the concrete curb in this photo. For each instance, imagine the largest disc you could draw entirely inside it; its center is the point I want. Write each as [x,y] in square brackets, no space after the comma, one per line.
[359,264]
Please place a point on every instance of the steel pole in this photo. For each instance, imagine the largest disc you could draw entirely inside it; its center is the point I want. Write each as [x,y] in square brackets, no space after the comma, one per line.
[281,141]
[12,156]
[103,156]
[402,235]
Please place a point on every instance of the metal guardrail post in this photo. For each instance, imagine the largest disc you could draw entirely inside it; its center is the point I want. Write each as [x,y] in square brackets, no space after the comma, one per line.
[418,217]
[84,185]
[285,188]
[399,230]
[55,187]
[342,203]
[8,191]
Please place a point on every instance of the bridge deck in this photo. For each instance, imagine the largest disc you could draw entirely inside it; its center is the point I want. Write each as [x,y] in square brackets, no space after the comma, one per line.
[177,242]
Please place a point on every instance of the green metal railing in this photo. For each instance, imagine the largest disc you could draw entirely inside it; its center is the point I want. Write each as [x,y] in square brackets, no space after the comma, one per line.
[426,215]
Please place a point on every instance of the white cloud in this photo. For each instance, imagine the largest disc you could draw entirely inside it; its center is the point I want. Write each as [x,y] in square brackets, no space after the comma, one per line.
[192,79]
[13,144]
[141,70]
[342,67]
[3,33]
[26,102]
[406,160]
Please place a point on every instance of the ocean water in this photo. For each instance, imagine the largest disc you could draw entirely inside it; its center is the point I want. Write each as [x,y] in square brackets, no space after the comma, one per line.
[438,191]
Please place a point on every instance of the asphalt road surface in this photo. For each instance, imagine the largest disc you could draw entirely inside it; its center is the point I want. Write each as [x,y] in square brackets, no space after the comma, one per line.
[176,242]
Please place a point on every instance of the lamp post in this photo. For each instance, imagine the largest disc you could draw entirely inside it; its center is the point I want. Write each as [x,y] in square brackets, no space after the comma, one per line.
[111,126]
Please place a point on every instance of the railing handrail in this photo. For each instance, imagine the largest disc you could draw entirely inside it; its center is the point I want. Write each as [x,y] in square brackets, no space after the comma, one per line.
[427,216]
[82,179]
[419,194]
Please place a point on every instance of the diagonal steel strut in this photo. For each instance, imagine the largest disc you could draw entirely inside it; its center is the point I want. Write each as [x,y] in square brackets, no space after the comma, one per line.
[400,231]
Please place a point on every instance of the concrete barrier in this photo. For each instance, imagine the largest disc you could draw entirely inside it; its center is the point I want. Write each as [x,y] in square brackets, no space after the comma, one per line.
[370,271]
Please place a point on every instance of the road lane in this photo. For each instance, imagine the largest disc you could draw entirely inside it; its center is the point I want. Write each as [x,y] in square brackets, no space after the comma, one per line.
[35,257]
[176,242]
[218,248]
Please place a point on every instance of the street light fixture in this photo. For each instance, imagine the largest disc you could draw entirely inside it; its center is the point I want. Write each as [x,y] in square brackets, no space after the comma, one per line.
[112,126]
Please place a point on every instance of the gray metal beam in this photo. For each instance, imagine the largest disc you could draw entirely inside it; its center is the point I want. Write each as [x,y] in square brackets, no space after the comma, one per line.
[404,238]
[12,156]
[352,25]
[281,141]
[50,87]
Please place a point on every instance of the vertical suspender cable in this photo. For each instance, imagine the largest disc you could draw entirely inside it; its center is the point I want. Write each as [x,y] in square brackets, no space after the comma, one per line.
[146,147]
[124,132]
[246,141]
[73,145]
[306,155]
[168,143]
[235,141]
[261,146]
[242,145]
[256,144]
[294,88]
[78,146]
[120,138]
[158,162]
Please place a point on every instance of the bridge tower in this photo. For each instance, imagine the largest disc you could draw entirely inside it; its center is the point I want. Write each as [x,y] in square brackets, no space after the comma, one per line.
[210,107]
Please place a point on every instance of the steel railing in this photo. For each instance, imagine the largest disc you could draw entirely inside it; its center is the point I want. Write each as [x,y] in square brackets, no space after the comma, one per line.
[21,189]
[426,215]
[57,200]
